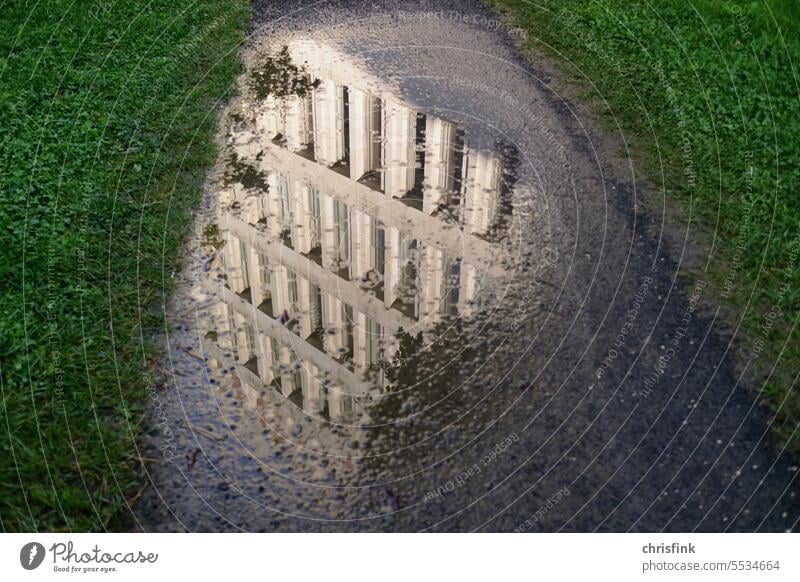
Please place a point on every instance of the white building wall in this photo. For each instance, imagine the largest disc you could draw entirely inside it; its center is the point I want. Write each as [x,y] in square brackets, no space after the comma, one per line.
[301,223]
[360,340]
[295,132]
[360,132]
[391,274]
[269,121]
[313,390]
[439,163]
[324,127]
[327,123]
[328,243]
[481,191]
[399,148]
[361,247]
[432,283]
[333,320]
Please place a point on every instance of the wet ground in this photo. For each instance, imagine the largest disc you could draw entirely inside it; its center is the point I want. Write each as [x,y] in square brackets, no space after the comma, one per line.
[418,298]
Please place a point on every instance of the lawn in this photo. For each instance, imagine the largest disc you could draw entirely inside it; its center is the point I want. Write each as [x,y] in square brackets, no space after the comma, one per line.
[107,112]
[707,94]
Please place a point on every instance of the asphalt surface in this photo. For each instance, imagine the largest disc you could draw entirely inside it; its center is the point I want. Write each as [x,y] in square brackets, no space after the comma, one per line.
[597,390]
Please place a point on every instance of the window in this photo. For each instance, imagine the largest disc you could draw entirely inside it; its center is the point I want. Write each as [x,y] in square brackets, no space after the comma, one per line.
[294,297]
[315,304]
[250,337]
[314,219]
[285,200]
[374,337]
[341,217]
[452,273]
[347,332]
[376,130]
[264,275]
[378,247]
[243,251]
[273,346]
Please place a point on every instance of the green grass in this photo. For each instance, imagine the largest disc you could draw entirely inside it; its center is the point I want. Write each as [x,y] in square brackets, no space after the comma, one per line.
[722,77]
[107,113]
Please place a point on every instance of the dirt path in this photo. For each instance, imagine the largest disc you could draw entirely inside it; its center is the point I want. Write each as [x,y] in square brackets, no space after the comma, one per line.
[421,297]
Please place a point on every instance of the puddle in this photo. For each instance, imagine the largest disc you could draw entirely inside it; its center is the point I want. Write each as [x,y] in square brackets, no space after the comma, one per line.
[403,283]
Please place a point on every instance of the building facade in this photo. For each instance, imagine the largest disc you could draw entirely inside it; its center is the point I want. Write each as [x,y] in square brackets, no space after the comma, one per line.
[376,220]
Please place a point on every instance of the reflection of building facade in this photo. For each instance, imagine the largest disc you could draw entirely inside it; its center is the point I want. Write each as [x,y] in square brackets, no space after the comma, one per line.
[347,246]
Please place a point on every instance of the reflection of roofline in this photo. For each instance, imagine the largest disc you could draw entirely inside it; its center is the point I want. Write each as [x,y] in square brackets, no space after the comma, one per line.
[389,211]
[325,61]
[330,282]
[339,374]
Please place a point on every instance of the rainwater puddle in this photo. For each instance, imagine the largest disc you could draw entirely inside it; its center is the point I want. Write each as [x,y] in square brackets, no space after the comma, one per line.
[400,296]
